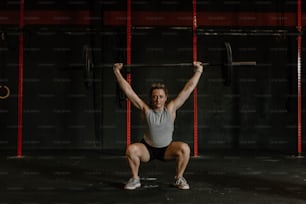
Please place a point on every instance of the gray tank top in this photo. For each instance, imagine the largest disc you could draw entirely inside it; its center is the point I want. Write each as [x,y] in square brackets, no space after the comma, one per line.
[158,128]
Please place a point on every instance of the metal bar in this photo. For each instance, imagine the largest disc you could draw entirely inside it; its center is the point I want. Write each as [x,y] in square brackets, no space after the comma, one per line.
[179,65]
[195,91]
[200,31]
[299,80]
[246,32]
[128,62]
[225,32]
[20,81]
[159,65]
[244,63]
[172,65]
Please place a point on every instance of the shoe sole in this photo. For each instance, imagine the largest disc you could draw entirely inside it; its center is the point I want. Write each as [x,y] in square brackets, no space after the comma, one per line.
[132,188]
[182,187]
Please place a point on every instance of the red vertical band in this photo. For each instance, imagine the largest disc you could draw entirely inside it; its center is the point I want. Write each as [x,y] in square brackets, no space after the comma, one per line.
[299,15]
[299,59]
[20,80]
[128,61]
[299,111]
[195,92]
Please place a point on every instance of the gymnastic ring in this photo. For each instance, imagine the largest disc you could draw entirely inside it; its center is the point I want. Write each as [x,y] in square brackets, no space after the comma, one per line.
[8,92]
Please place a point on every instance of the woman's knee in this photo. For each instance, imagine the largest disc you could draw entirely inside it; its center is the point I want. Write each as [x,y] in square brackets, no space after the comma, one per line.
[181,149]
[132,149]
[185,149]
[138,150]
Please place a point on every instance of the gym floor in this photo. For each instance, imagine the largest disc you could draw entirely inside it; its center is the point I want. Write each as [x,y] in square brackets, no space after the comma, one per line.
[91,177]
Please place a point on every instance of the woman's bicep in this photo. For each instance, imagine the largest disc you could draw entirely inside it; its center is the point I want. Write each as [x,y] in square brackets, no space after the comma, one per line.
[136,100]
[178,101]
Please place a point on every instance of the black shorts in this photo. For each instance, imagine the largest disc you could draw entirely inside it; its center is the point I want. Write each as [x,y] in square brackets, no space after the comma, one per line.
[155,153]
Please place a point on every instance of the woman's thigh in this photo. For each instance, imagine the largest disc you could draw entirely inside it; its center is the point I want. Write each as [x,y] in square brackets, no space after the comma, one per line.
[140,150]
[176,148]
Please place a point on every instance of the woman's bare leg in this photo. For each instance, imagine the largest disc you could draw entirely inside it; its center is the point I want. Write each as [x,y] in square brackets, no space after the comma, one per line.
[181,152]
[136,153]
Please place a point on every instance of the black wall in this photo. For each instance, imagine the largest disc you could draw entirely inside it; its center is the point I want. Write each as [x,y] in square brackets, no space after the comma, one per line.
[68,108]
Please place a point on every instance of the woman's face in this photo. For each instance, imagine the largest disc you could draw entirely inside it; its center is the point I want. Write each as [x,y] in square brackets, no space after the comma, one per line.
[158,98]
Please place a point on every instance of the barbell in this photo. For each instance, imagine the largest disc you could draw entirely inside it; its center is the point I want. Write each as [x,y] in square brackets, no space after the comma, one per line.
[226,65]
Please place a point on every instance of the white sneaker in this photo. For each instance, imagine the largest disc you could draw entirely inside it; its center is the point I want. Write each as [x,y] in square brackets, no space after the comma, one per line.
[132,184]
[181,183]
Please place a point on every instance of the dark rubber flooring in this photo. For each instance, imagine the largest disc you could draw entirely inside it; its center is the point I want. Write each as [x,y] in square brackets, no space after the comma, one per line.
[94,178]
